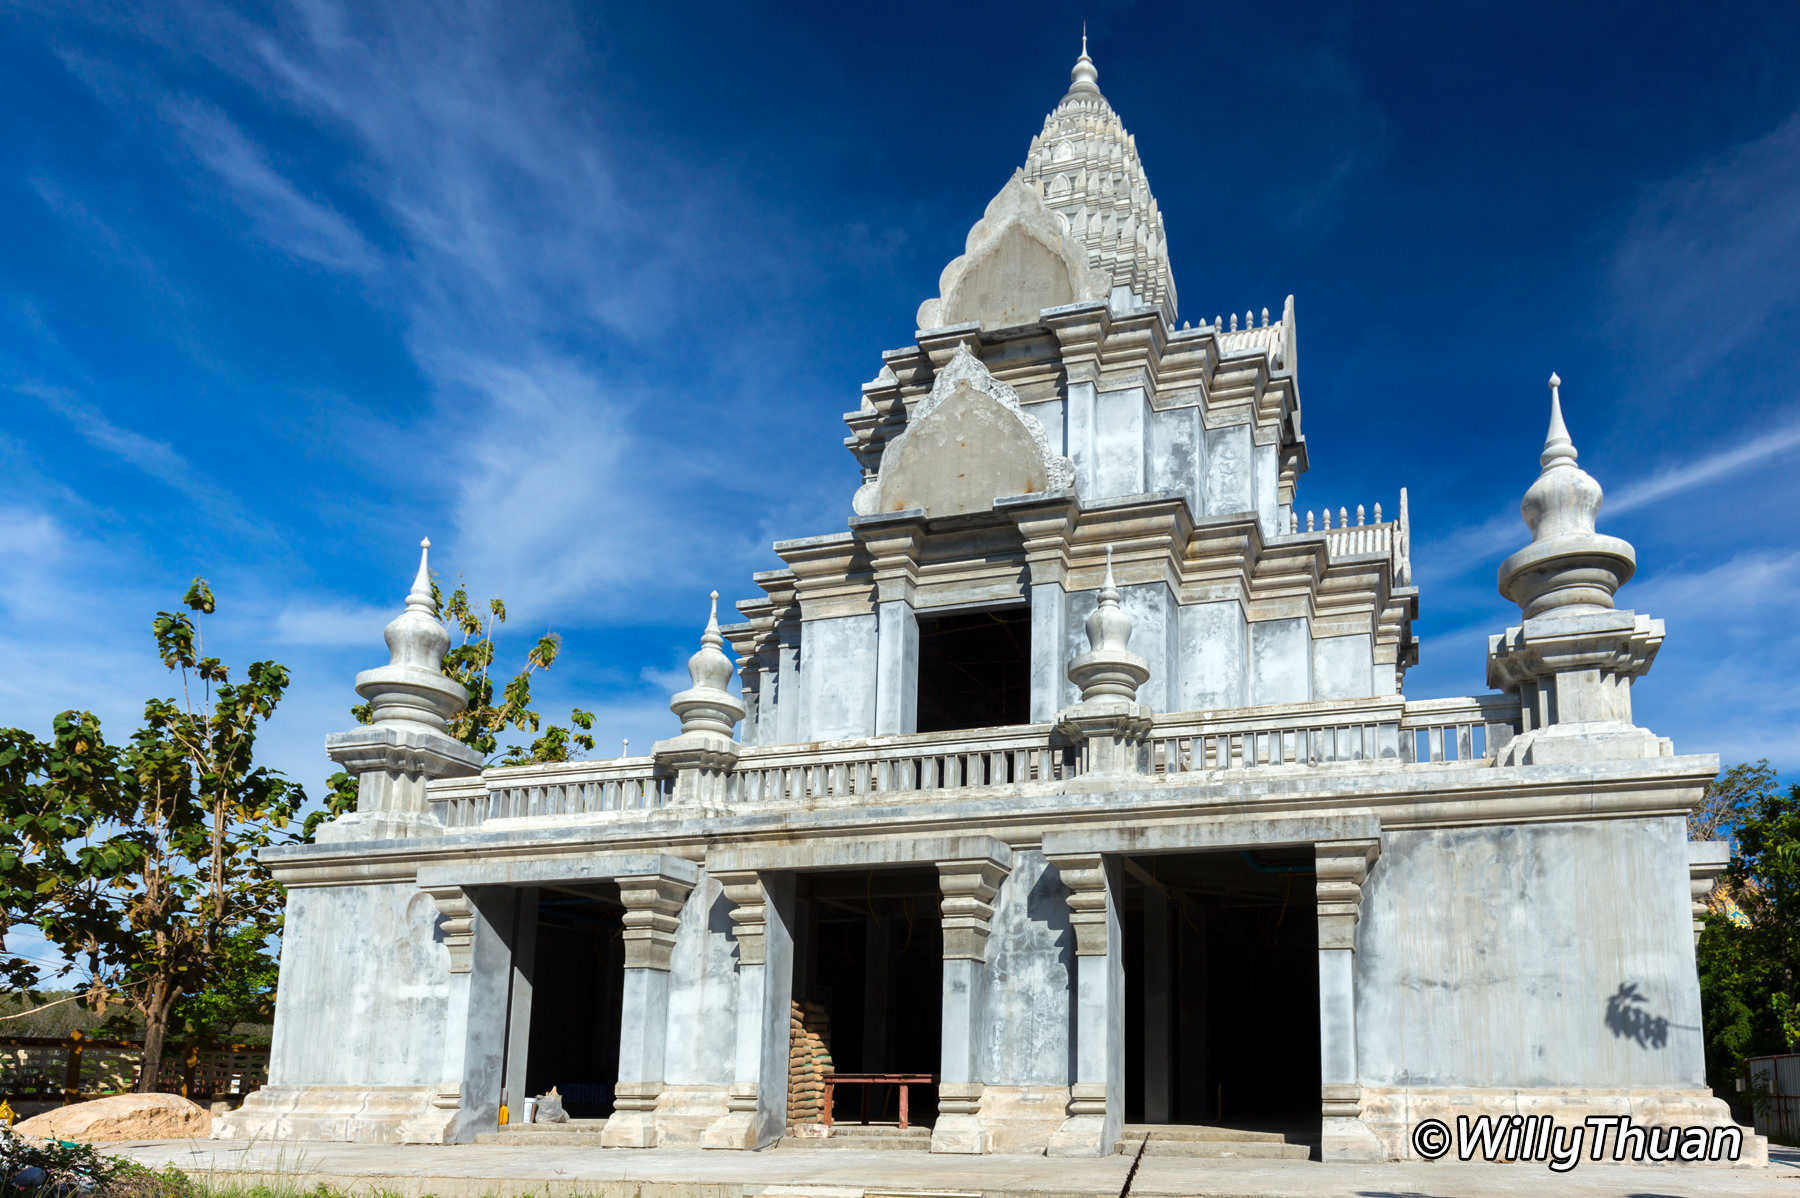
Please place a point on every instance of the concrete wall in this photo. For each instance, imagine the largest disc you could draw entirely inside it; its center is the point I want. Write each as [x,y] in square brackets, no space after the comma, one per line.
[1031,969]
[1342,667]
[1214,650]
[365,984]
[703,992]
[1178,459]
[838,677]
[1535,955]
[1121,443]
[1230,485]
[1280,661]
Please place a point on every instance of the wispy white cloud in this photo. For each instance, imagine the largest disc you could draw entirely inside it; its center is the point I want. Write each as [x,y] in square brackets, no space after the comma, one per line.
[1764,443]
[1708,256]
[280,215]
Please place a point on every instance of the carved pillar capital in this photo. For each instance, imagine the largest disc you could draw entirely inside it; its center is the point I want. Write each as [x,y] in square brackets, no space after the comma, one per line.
[1707,859]
[1342,866]
[1046,525]
[459,924]
[652,911]
[893,541]
[1085,876]
[968,889]
[749,913]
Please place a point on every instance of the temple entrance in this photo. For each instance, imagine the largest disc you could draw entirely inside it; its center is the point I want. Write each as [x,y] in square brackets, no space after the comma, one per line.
[1222,991]
[576,985]
[868,995]
[975,669]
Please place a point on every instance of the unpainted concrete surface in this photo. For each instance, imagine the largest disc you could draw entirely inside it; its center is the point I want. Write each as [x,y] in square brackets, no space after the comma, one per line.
[473,1170]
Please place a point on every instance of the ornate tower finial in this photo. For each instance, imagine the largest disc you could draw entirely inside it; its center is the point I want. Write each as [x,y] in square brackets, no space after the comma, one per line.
[1567,565]
[1084,78]
[417,641]
[707,706]
[1109,669]
[405,743]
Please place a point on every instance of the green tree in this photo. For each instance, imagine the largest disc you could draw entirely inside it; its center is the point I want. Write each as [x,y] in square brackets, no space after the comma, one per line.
[1750,966]
[492,711]
[139,861]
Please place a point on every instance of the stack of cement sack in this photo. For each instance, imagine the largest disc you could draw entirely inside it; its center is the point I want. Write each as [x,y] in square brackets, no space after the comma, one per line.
[809,1060]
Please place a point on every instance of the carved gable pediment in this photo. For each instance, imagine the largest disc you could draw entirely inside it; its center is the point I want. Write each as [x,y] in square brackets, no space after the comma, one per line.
[1018,260]
[968,444]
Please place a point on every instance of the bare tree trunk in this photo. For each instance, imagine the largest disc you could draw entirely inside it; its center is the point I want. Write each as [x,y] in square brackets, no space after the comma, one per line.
[156,1032]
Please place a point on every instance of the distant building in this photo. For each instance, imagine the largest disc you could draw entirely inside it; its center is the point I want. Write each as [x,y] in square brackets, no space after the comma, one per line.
[1074,776]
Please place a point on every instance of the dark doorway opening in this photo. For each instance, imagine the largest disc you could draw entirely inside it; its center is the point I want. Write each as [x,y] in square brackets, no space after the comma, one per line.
[868,987]
[975,669]
[1222,990]
[578,983]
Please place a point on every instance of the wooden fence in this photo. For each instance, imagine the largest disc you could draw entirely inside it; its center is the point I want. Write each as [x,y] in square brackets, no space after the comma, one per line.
[81,1067]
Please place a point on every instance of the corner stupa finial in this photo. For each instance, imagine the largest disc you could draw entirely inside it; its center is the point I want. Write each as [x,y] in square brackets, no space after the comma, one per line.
[1559,450]
[1567,565]
[707,706]
[1084,78]
[412,688]
[419,598]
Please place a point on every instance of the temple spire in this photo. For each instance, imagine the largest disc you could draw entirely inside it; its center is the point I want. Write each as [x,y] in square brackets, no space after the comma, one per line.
[1084,78]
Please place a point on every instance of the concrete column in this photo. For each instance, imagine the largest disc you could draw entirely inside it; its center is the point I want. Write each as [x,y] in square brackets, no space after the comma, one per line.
[876,959]
[896,669]
[1049,635]
[762,916]
[968,896]
[1097,1094]
[893,541]
[1158,996]
[524,968]
[1046,524]
[468,1094]
[1341,865]
[652,911]
[790,721]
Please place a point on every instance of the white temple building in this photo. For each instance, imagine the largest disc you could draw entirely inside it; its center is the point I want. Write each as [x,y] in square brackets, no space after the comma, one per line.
[1074,778]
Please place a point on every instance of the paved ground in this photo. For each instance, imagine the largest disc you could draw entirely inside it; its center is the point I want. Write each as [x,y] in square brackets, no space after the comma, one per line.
[472,1170]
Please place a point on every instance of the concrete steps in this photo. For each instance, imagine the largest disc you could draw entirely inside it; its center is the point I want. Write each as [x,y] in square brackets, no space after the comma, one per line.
[871,1137]
[1175,1140]
[576,1132]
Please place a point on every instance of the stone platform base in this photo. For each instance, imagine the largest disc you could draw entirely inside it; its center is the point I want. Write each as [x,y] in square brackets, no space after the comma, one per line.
[1393,1114]
[359,1114]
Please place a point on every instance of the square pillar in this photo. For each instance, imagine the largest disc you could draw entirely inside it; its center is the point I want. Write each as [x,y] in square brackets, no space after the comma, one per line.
[968,889]
[468,1092]
[762,914]
[893,541]
[896,669]
[1097,1093]
[518,1019]
[1046,526]
[1342,866]
[1158,995]
[652,910]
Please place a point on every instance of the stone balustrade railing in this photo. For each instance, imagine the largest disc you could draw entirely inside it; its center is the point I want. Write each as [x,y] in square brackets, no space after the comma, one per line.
[1290,734]
[1458,730]
[567,788]
[1391,729]
[1391,538]
[898,764]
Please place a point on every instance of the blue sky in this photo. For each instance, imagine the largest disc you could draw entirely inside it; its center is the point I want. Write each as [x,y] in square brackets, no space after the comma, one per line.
[580,293]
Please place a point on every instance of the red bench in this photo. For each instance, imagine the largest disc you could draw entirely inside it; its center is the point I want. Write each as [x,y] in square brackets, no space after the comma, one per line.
[866,1080]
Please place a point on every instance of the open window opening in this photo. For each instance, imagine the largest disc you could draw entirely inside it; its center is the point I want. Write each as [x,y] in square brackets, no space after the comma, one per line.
[975,669]
[1222,991]
[577,988]
[868,1000]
